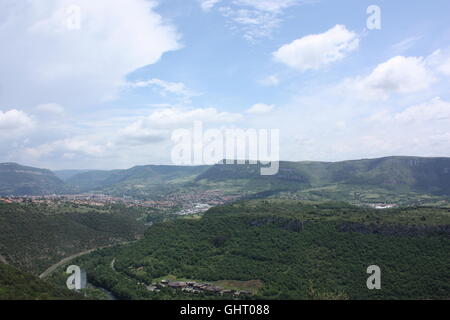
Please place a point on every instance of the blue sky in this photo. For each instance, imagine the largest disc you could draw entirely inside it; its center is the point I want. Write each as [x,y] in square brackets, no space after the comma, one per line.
[103,85]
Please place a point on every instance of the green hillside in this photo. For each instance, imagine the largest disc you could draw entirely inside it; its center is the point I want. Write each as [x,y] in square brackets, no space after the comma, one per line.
[140,178]
[279,249]
[64,175]
[428,175]
[35,236]
[17,285]
[20,180]
[396,180]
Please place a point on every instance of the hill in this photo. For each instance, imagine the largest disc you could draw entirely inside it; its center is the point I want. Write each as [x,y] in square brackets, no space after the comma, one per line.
[35,236]
[140,182]
[67,174]
[399,180]
[17,285]
[430,175]
[20,180]
[427,175]
[139,177]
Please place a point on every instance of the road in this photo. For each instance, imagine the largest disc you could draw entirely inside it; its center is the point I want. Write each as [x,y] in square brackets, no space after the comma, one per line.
[64,261]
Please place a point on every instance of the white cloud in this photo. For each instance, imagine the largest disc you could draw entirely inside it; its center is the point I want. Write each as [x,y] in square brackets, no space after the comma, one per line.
[50,108]
[86,65]
[268,5]
[260,108]
[157,126]
[139,133]
[341,125]
[252,24]
[253,19]
[445,68]
[176,116]
[429,112]
[76,145]
[208,4]
[440,62]
[405,44]
[397,75]
[318,50]
[417,130]
[14,120]
[111,142]
[270,81]
[165,88]
[435,110]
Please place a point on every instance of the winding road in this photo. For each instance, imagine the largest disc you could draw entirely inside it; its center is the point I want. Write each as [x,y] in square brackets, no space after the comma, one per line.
[51,269]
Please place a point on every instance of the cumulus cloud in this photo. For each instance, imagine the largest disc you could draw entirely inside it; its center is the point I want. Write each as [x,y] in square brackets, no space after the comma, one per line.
[434,110]
[440,62]
[418,130]
[260,108]
[113,140]
[316,51]
[397,75]
[139,133]
[14,120]
[55,60]
[68,148]
[157,126]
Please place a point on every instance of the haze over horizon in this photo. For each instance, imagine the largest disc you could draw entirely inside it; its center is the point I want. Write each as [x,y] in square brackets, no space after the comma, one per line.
[115,86]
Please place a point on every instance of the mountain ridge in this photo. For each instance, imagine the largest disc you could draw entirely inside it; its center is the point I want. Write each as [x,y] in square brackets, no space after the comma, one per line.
[429,175]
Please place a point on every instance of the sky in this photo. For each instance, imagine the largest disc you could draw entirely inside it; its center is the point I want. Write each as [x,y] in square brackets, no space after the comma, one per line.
[104,84]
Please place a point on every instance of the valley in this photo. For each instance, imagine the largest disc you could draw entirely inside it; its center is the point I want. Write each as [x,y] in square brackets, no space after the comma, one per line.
[292,250]
[393,180]
[224,231]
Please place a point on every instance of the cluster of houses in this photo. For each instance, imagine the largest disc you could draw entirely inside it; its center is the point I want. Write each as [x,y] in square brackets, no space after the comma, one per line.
[80,199]
[195,287]
[191,202]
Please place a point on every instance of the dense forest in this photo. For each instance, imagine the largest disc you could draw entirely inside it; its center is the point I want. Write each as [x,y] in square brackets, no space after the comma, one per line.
[17,285]
[35,236]
[280,249]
